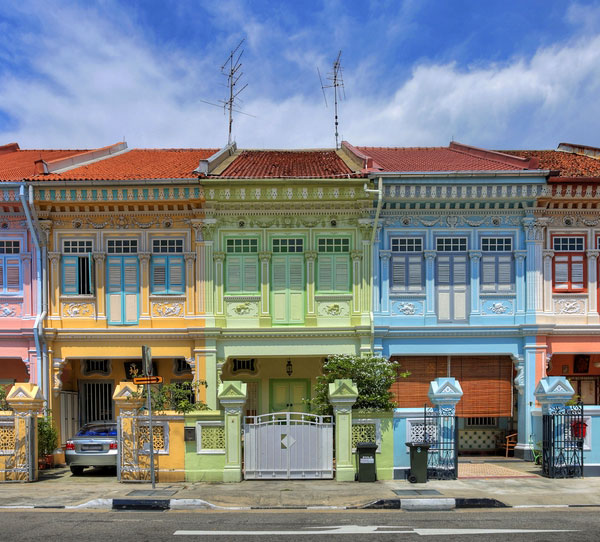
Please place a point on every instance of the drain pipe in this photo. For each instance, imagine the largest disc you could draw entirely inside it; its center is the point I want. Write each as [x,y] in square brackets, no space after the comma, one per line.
[38,331]
[379,192]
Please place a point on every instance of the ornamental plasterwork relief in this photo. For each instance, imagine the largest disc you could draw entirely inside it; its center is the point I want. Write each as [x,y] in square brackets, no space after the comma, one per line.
[247,309]
[570,306]
[78,310]
[333,309]
[407,308]
[451,221]
[167,310]
[120,222]
[497,307]
[10,310]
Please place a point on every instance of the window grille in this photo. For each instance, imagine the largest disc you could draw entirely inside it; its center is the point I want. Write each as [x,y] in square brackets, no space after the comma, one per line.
[496,244]
[241,246]
[287,245]
[10,247]
[334,244]
[481,421]
[162,246]
[122,246]
[568,244]
[406,244]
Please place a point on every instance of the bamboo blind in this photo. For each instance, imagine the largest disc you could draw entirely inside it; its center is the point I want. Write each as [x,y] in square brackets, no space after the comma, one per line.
[486,382]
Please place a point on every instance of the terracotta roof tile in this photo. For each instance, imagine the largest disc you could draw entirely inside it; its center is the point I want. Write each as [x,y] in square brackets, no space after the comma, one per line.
[568,164]
[285,164]
[18,164]
[413,159]
[138,164]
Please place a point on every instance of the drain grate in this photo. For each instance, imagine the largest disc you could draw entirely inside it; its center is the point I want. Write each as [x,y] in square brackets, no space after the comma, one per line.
[413,492]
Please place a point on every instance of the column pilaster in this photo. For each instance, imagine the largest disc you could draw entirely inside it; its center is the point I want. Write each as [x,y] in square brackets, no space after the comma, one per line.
[430,316]
[264,316]
[475,258]
[144,258]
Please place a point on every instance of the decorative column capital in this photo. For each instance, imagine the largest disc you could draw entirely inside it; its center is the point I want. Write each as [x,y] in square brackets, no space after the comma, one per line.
[204,228]
[144,257]
[99,256]
[385,255]
[54,257]
[310,255]
[548,254]
[219,256]
[356,255]
[534,228]
[520,255]
[592,254]
[342,395]
[264,256]
[475,255]
[429,255]
[26,257]
[189,256]
[232,396]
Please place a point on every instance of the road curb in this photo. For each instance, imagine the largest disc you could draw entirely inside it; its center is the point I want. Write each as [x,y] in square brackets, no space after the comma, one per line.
[415,505]
[141,504]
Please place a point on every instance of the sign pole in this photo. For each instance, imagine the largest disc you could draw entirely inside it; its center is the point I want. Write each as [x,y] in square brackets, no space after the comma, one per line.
[147,358]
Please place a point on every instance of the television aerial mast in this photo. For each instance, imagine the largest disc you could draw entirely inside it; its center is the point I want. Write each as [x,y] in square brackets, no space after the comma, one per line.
[231,68]
[336,82]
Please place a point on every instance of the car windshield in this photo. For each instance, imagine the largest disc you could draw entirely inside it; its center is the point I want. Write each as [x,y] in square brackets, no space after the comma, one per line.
[98,430]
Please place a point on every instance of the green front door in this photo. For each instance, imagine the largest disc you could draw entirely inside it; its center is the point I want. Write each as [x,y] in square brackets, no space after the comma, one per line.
[288,395]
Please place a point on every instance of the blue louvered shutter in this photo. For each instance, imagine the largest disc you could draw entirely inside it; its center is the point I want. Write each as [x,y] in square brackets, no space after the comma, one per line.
[176,275]
[70,275]
[159,274]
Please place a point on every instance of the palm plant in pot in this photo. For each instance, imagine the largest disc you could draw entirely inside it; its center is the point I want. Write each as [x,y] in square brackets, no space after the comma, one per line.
[47,441]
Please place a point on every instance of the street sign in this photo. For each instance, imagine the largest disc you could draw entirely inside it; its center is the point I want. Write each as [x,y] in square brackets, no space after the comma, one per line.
[148,380]
[147,360]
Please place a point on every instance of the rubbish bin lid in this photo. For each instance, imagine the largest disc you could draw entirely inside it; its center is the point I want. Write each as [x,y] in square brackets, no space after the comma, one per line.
[366,446]
[419,444]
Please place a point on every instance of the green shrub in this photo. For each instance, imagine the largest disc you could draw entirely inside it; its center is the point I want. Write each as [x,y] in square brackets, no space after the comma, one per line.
[373,376]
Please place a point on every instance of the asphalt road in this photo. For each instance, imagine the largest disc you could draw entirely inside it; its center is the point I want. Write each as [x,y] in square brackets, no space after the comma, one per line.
[177,526]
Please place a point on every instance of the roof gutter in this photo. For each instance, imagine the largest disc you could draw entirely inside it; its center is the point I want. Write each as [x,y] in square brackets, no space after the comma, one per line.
[379,192]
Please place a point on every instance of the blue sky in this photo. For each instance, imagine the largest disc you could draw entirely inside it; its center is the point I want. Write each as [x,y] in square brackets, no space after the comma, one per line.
[495,74]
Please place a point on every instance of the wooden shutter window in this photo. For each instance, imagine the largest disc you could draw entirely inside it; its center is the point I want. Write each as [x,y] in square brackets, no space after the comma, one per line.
[234,273]
[325,276]
[70,267]
[399,273]
[415,273]
[175,266]
[159,273]
[250,283]
[2,285]
[342,273]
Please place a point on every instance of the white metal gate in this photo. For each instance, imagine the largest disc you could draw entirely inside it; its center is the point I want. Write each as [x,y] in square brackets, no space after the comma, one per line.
[288,445]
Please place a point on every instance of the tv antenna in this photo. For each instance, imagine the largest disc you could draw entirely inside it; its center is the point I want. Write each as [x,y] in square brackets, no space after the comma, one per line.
[336,82]
[231,69]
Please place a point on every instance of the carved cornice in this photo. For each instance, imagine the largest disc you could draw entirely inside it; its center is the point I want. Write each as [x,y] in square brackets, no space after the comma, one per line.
[475,255]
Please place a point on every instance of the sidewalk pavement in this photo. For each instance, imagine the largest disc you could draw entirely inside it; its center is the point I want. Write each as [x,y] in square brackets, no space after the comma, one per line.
[519,485]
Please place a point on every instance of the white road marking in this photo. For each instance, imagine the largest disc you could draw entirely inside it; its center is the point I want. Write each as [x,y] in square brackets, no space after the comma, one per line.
[370,529]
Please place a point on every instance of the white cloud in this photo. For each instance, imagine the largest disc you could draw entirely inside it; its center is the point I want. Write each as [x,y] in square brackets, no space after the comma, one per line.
[98,77]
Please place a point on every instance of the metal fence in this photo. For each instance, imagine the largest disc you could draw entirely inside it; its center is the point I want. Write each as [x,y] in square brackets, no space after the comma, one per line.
[442,435]
[563,434]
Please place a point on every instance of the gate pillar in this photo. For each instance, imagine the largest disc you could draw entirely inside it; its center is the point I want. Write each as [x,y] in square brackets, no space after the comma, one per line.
[232,396]
[552,392]
[26,400]
[342,395]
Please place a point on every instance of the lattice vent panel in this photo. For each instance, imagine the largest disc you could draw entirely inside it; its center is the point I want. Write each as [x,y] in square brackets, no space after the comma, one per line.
[363,432]
[7,438]
[158,436]
[213,437]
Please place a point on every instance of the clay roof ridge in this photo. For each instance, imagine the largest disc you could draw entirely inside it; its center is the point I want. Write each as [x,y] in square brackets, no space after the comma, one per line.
[494,156]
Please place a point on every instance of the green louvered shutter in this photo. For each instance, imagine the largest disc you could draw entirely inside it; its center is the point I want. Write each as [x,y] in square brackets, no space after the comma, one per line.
[296,289]
[70,274]
[279,289]
[325,275]
[233,279]
[342,273]
[250,274]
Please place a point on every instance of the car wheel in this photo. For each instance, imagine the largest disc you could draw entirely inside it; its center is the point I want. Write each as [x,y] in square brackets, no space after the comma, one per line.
[77,470]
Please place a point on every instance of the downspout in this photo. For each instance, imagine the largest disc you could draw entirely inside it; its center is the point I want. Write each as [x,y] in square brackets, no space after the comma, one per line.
[379,192]
[38,332]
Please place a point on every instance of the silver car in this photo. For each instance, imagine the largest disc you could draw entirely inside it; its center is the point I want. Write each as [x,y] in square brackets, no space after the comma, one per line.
[95,445]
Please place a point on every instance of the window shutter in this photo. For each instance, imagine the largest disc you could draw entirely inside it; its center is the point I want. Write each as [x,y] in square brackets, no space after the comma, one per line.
[176,275]
[130,289]
[415,273]
[296,282]
[342,273]
[279,270]
[159,273]
[577,272]
[460,270]
[114,289]
[325,278]
[70,267]
[13,282]
[444,272]
[250,282]
[2,285]
[488,273]
[399,273]
[505,273]
[234,273]
[91,273]
[561,272]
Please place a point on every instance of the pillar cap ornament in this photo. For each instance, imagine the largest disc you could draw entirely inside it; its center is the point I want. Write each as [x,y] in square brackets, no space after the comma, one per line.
[475,255]
[99,256]
[553,391]
[385,255]
[311,255]
[592,253]
[25,397]
[128,396]
[342,394]
[232,393]
[445,391]
[429,254]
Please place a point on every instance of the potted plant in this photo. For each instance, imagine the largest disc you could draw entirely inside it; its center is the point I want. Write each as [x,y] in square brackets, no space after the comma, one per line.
[47,441]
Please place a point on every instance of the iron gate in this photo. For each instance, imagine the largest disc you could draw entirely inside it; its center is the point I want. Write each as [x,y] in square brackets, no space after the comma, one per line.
[18,445]
[563,434]
[288,445]
[442,436]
